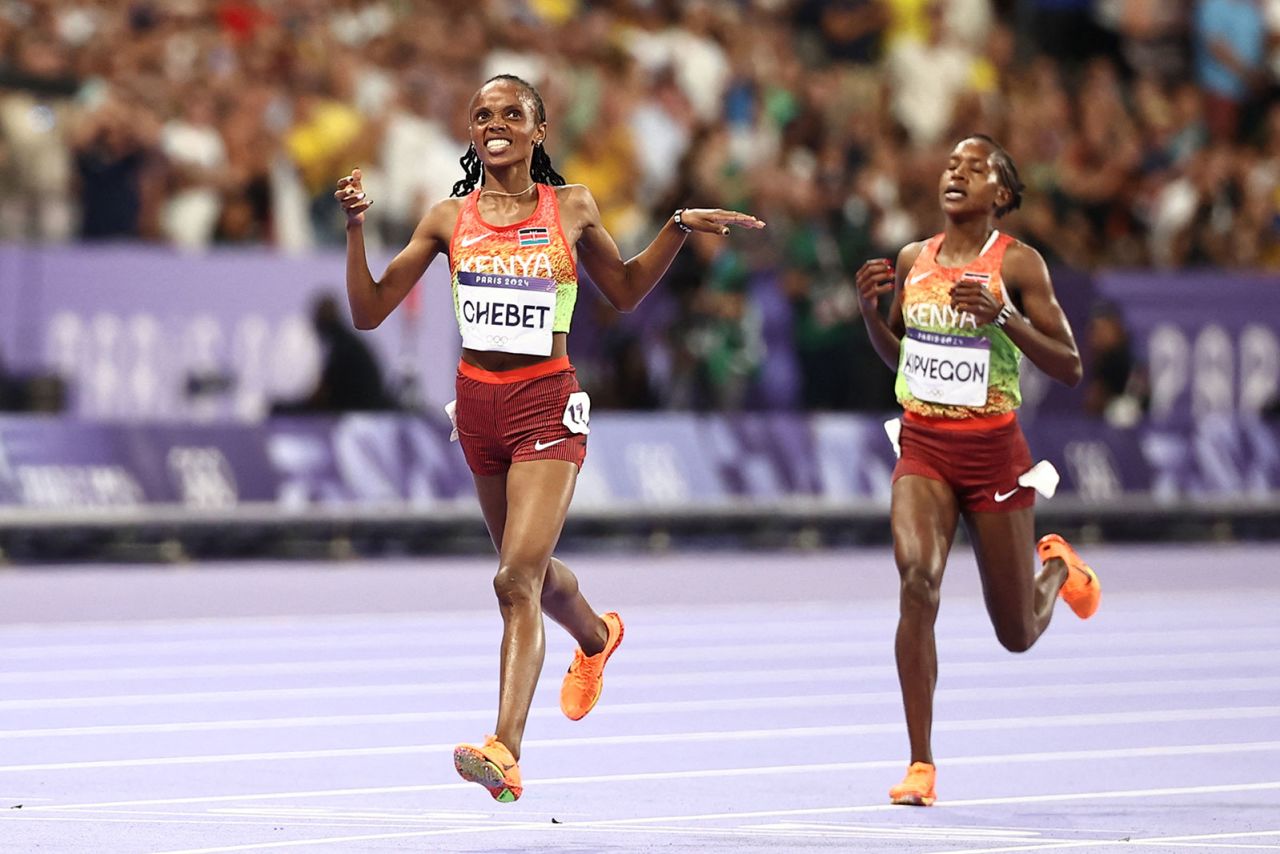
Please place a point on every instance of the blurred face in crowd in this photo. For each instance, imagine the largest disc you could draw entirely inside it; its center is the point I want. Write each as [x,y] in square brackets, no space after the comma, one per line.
[504,124]
[970,185]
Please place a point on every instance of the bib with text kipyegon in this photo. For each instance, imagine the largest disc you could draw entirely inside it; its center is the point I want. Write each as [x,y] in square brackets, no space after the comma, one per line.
[510,314]
[942,368]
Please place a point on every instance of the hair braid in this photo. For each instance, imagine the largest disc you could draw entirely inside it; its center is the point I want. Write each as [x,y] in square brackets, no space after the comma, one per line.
[540,170]
[474,172]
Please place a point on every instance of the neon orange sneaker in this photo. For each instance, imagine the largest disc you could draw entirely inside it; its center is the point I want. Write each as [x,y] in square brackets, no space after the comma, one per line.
[1082,590]
[585,680]
[492,766]
[916,789]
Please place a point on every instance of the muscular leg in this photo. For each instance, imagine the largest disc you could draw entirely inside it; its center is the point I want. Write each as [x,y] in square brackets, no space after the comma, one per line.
[562,601]
[924,518]
[1019,601]
[537,500]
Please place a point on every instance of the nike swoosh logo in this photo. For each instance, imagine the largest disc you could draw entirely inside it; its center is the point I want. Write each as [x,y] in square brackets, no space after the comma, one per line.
[467,241]
[918,277]
[542,446]
[1005,496]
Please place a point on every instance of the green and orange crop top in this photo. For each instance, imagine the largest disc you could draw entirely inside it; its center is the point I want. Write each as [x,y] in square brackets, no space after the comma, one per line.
[950,367]
[513,285]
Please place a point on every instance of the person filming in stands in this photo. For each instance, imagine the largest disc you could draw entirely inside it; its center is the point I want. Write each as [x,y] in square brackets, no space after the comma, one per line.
[956,341]
[514,233]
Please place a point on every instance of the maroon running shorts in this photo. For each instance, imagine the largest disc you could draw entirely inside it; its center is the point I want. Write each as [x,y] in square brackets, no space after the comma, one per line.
[534,413]
[980,459]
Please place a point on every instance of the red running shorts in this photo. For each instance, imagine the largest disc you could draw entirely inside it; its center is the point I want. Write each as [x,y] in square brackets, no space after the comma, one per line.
[535,413]
[980,460]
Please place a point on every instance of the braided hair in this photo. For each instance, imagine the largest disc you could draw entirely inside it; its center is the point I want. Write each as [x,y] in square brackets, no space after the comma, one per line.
[1006,171]
[540,170]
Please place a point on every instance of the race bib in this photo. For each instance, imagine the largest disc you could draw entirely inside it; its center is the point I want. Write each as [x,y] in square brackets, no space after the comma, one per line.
[577,413]
[509,314]
[952,369]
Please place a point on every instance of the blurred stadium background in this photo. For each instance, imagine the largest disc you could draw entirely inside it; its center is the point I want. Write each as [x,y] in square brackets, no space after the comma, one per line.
[177,381]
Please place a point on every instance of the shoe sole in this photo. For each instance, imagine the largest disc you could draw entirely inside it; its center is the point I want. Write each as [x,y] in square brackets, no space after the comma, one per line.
[474,767]
[608,653]
[913,800]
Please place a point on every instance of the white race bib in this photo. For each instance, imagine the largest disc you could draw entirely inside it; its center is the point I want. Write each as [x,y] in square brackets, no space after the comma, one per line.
[509,314]
[952,369]
[577,413]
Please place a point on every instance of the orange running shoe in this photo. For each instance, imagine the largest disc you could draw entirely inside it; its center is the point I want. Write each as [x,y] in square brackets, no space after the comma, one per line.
[492,766]
[916,789]
[1082,590]
[585,679]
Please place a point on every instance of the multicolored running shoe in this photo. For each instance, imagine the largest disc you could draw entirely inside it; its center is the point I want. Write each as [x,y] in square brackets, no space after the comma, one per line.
[490,765]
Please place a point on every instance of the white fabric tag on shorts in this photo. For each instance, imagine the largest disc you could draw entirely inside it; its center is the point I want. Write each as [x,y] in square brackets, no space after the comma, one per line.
[451,409]
[1042,477]
[577,413]
[893,429]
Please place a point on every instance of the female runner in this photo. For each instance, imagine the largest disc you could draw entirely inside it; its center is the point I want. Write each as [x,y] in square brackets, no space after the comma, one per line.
[956,340]
[514,234]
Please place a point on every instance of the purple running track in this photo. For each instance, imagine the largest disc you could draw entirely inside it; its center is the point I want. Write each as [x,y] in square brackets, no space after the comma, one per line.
[753,707]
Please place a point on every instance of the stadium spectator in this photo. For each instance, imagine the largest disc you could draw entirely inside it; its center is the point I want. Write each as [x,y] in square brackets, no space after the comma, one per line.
[1229,44]
[350,377]
[1147,130]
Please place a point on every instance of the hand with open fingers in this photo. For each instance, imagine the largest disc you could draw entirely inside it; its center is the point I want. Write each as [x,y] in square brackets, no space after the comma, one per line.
[716,221]
[873,279]
[350,194]
[973,297]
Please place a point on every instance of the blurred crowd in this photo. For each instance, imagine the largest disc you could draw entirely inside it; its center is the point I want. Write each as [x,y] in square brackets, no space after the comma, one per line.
[1147,131]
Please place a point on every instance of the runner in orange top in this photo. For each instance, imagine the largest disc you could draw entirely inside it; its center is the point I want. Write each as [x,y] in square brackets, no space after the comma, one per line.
[514,234]
[956,340]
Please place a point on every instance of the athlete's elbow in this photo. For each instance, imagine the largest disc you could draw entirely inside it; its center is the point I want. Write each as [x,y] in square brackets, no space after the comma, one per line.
[1073,375]
[365,322]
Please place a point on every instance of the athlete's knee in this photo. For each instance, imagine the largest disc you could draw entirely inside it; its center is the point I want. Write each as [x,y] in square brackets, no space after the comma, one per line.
[518,582]
[921,586]
[1015,638]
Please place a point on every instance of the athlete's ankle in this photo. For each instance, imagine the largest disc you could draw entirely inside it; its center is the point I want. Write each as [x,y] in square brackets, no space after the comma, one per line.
[599,637]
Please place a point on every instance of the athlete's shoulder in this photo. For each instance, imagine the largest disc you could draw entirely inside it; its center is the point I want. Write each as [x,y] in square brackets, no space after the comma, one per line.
[909,253]
[574,196]
[578,208]
[1022,257]
[441,218]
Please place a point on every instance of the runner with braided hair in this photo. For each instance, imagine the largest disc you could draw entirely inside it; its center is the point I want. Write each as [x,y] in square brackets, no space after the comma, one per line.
[515,233]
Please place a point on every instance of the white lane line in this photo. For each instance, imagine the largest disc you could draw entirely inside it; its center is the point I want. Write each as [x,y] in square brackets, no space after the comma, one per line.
[942,805]
[639,825]
[1145,716]
[1055,689]
[1108,754]
[1199,840]
[346,840]
[425,664]
[425,638]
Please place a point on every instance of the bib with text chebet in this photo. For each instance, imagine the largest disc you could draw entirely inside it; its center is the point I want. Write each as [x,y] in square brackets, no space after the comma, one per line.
[513,285]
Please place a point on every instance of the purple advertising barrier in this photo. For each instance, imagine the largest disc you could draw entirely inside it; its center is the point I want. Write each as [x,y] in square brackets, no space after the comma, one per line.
[633,461]
[145,333]
[1210,341]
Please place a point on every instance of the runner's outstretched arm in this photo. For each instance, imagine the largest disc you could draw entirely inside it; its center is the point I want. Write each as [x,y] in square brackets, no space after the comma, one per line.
[626,284]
